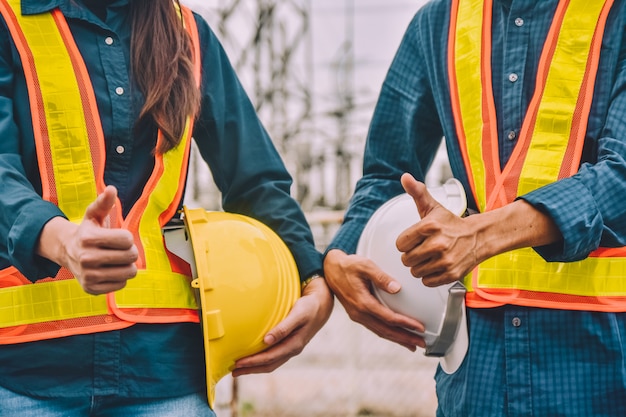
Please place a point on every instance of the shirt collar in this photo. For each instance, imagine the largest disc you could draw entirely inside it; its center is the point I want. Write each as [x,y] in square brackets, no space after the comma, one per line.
[70,8]
[40,6]
[505,3]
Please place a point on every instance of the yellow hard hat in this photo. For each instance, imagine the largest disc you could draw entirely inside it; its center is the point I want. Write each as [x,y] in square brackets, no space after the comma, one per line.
[441,309]
[247,281]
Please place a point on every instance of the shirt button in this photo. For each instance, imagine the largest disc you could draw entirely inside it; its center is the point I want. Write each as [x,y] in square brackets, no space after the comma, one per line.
[108,40]
[512,135]
[119,91]
[119,149]
[516,322]
[513,77]
[519,22]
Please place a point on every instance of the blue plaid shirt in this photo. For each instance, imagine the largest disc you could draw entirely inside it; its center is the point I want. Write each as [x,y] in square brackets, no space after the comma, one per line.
[521,361]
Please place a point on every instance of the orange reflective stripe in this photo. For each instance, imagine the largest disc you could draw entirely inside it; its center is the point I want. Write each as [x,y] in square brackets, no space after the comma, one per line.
[549,148]
[158,203]
[506,183]
[563,96]
[57,124]
[494,298]
[482,161]
[469,69]
[489,128]
[34,92]
[90,106]
[168,294]
[134,218]
[583,108]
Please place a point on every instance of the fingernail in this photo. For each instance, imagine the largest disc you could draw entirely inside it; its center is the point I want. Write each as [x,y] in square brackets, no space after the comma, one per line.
[394,287]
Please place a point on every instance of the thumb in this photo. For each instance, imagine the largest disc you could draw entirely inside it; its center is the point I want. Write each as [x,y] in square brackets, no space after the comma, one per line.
[423,200]
[98,211]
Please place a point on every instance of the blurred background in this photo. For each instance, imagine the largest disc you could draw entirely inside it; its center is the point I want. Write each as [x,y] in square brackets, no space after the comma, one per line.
[313,69]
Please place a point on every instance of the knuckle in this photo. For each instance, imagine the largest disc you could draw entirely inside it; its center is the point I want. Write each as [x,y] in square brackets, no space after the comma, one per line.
[440,246]
[380,277]
[84,258]
[447,263]
[416,271]
[297,349]
[346,263]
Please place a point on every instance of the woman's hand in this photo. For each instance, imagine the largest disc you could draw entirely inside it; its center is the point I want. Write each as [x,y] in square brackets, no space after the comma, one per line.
[101,259]
[291,335]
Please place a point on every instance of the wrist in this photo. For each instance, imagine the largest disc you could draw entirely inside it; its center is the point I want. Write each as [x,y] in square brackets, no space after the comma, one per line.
[52,238]
[308,280]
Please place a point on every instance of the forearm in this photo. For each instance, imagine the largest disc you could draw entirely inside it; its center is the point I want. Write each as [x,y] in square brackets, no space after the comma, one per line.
[50,244]
[516,225]
[24,214]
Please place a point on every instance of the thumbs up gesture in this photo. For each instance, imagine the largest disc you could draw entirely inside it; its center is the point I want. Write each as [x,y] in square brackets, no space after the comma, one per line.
[101,259]
[441,247]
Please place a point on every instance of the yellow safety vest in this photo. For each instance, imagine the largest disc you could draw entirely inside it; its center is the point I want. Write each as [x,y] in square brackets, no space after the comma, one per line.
[549,148]
[71,152]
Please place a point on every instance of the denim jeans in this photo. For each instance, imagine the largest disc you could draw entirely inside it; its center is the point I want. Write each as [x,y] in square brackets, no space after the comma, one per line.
[18,405]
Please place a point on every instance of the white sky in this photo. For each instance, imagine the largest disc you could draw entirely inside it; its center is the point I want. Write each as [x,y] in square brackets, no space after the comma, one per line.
[377,28]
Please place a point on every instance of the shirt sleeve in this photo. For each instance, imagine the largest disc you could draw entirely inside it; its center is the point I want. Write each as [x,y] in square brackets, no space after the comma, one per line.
[404,135]
[244,162]
[23,212]
[588,207]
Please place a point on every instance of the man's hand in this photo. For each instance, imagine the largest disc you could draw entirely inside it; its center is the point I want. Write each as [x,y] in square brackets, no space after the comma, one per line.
[441,248]
[101,259]
[351,277]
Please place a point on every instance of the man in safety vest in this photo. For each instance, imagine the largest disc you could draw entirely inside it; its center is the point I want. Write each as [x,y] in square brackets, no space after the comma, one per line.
[99,103]
[531,99]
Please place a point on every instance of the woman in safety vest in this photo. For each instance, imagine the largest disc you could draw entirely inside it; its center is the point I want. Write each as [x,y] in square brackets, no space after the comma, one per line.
[531,99]
[99,102]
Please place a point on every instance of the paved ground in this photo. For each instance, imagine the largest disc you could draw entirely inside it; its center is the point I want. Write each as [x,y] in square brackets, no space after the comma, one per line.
[345,371]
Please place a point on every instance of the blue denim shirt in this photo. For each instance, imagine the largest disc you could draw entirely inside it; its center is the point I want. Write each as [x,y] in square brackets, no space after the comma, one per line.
[143,360]
[521,361]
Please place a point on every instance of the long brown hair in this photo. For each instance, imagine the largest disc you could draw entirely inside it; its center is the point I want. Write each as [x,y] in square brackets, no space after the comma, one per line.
[161,60]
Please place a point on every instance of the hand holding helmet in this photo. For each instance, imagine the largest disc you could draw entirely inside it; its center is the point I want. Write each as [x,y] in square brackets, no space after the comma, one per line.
[396,227]
[350,277]
[289,337]
[247,282]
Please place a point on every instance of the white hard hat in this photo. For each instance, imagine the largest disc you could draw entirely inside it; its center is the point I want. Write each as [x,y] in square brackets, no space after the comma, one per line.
[441,309]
